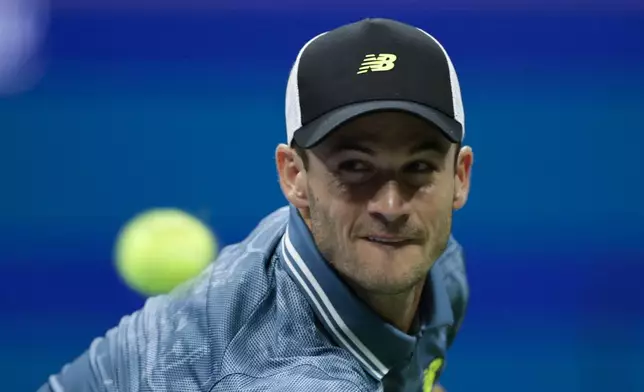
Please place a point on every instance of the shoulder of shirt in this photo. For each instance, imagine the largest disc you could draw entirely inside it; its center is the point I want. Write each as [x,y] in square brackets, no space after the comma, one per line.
[452,264]
[198,319]
[228,272]
[208,313]
[256,283]
[240,278]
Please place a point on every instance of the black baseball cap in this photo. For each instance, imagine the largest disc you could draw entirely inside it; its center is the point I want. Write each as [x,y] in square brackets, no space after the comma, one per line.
[371,65]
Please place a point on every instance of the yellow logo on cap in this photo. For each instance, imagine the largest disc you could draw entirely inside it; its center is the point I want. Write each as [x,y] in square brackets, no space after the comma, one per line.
[430,374]
[383,62]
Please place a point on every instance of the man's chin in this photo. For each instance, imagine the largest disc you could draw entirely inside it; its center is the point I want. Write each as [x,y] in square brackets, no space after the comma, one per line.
[388,285]
[390,271]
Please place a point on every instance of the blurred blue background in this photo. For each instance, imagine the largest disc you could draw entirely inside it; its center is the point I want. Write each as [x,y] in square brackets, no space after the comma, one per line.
[128,105]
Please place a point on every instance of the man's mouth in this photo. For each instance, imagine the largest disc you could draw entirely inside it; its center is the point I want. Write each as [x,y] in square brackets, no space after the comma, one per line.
[389,241]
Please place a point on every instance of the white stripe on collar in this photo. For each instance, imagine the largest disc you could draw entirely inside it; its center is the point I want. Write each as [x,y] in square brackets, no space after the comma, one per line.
[328,311]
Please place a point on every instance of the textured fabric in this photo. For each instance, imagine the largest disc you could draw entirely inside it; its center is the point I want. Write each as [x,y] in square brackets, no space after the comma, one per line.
[242,325]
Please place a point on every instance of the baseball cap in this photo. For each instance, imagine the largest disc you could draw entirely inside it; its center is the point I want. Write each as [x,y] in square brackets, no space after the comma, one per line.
[374,64]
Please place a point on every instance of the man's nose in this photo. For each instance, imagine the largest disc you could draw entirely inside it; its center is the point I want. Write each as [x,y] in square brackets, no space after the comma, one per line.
[389,205]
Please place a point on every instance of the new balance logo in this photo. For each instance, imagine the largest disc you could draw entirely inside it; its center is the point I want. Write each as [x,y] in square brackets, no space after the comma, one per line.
[384,62]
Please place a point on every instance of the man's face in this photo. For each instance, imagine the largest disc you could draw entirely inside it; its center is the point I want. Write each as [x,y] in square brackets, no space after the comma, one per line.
[380,192]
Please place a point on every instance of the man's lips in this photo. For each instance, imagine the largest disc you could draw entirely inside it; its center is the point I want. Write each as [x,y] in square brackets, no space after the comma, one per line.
[389,240]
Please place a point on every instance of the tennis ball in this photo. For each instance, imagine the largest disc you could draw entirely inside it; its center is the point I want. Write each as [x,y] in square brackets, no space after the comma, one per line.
[161,248]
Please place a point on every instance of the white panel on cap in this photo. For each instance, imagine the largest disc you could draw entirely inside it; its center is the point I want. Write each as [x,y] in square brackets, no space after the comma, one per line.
[293,108]
[457,100]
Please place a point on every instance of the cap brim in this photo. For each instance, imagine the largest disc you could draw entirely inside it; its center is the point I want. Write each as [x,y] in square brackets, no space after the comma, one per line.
[312,133]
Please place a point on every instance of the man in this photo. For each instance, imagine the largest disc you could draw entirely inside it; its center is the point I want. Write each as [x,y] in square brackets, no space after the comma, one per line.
[357,285]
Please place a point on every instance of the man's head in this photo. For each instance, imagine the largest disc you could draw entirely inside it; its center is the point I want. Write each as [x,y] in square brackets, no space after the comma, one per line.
[374,161]
[378,195]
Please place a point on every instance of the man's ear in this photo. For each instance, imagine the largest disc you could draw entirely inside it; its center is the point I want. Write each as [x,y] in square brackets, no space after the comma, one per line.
[463,175]
[292,176]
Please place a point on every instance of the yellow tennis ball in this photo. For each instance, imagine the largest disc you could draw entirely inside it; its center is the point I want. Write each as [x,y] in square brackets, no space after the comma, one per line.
[162,248]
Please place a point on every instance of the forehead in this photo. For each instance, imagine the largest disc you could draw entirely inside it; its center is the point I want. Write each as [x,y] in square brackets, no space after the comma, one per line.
[387,131]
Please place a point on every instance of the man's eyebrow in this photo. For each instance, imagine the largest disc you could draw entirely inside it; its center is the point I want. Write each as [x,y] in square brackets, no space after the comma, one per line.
[430,146]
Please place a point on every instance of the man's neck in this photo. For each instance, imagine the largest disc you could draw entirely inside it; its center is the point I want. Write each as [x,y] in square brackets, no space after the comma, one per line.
[397,309]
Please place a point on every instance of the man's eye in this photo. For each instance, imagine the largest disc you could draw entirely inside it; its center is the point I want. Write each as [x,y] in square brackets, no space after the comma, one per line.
[420,167]
[354,166]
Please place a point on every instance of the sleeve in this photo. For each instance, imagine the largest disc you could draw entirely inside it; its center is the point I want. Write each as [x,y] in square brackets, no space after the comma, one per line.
[154,348]
[457,286]
[300,378]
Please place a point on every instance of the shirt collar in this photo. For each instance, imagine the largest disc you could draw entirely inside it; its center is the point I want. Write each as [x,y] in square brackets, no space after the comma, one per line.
[377,345]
